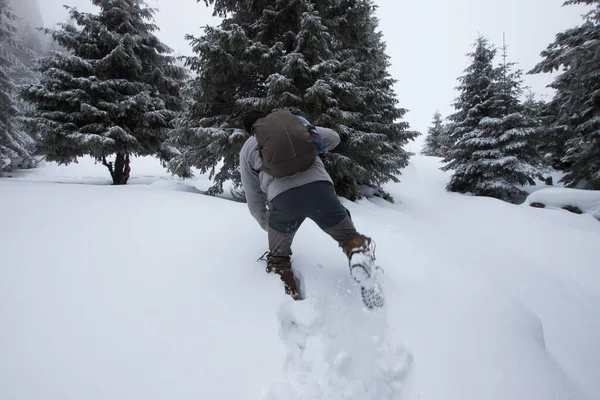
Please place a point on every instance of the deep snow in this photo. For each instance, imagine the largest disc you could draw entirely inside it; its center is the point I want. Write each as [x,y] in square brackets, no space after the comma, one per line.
[153,291]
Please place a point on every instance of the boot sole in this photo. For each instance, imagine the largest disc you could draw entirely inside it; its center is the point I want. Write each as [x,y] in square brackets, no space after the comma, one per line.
[370,290]
[372,296]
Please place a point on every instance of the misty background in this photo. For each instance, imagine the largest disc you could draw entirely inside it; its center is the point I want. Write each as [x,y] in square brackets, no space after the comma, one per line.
[426,42]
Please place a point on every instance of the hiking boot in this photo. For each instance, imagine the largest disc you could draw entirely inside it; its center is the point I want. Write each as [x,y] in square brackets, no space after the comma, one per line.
[361,257]
[282,266]
[360,251]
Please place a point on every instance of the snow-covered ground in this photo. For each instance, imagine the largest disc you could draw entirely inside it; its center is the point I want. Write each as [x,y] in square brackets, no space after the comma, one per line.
[587,201]
[153,291]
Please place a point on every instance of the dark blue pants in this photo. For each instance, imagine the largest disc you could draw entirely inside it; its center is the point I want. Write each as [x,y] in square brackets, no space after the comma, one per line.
[316,201]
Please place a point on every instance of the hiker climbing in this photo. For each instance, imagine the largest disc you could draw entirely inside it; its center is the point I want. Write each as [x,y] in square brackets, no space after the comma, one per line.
[285,182]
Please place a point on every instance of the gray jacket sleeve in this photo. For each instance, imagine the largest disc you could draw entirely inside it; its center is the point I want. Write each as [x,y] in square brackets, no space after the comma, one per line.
[329,136]
[256,199]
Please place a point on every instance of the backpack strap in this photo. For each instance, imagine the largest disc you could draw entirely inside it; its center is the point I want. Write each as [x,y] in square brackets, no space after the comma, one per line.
[316,140]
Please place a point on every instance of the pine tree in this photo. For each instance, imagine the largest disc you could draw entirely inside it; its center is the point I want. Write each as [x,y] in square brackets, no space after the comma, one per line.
[435,135]
[475,102]
[497,156]
[521,162]
[294,55]
[15,145]
[230,68]
[210,131]
[576,53]
[115,93]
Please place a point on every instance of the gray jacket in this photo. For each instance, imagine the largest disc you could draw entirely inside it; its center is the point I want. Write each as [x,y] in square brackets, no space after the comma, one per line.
[261,187]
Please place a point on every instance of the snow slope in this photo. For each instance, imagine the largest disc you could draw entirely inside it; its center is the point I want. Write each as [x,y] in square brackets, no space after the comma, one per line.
[152,291]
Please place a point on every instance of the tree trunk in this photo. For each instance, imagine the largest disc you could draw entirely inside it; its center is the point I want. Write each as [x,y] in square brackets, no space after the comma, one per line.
[120,170]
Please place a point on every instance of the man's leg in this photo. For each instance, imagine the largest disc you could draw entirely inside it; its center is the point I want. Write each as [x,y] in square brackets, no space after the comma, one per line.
[333,218]
[329,214]
[281,235]
[283,225]
[357,248]
[279,261]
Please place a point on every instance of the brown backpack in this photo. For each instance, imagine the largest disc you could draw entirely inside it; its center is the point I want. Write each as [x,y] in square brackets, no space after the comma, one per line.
[285,144]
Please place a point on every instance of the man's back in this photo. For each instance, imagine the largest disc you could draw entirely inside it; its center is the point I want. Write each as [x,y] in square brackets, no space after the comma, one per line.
[251,163]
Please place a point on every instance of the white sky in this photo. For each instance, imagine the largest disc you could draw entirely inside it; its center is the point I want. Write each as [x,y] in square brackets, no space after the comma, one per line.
[427,41]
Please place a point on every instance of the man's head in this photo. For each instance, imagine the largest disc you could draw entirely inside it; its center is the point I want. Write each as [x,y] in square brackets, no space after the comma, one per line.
[249,120]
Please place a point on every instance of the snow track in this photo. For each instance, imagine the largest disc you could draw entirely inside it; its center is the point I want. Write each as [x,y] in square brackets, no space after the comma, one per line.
[337,349]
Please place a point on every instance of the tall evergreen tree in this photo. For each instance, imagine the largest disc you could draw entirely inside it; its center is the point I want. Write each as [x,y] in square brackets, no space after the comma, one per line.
[15,145]
[476,101]
[477,88]
[498,155]
[435,134]
[299,55]
[115,93]
[576,53]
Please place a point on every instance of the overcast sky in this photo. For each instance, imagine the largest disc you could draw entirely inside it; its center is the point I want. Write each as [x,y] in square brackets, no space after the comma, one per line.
[427,41]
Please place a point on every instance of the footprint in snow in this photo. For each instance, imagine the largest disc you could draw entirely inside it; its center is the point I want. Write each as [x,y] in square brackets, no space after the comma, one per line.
[336,348]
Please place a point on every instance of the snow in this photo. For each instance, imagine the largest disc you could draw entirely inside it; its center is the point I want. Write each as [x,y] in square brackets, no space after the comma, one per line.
[587,201]
[152,291]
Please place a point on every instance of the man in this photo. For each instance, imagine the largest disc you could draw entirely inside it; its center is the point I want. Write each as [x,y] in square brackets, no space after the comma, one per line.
[308,193]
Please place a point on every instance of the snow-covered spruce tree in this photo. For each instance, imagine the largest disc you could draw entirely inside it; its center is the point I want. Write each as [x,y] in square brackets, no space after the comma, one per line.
[435,134]
[15,145]
[210,130]
[477,99]
[269,56]
[521,162]
[576,53]
[504,156]
[115,93]
[231,67]
[498,155]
